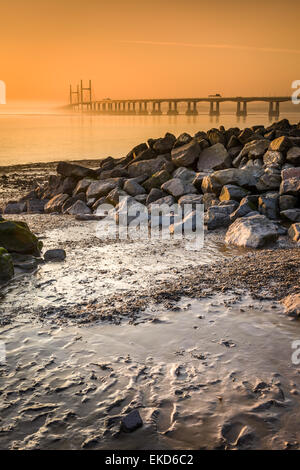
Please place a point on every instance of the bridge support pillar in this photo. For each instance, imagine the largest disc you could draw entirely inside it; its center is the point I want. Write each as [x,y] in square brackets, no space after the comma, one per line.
[191,110]
[172,109]
[274,111]
[143,107]
[212,111]
[156,107]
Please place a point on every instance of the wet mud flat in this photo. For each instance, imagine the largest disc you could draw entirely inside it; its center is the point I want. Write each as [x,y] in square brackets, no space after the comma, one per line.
[212,374]
[196,341]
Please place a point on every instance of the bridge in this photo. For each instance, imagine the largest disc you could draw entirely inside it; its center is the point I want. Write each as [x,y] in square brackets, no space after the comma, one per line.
[81,100]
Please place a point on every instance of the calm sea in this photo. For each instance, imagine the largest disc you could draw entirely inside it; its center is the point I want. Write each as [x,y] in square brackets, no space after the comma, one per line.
[31,138]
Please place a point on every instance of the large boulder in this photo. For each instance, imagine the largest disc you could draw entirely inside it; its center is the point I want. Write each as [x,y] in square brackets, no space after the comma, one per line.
[6,265]
[117,172]
[287,201]
[248,204]
[166,200]
[190,199]
[146,167]
[244,177]
[146,154]
[102,188]
[177,187]
[56,203]
[273,157]
[16,237]
[269,180]
[290,183]
[35,206]
[293,156]
[185,174]
[232,192]
[165,144]
[68,185]
[255,148]
[113,197]
[133,188]
[218,216]
[182,140]
[82,186]
[154,195]
[79,208]
[215,157]
[156,180]
[294,232]
[252,231]
[75,171]
[215,136]
[186,155]
[268,205]
[13,207]
[293,215]
[281,144]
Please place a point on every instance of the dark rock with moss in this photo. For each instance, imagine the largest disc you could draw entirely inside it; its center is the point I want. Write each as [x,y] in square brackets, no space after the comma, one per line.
[6,265]
[16,237]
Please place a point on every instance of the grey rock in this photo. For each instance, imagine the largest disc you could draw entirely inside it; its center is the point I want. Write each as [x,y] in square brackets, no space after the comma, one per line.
[146,167]
[75,171]
[82,186]
[133,188]
[184,174]
[294,232]
[273,157]
[78,208]
[293,156]
[291,214]
[156,180]
[55,255]
[215,157]
[281,144]
[247,205]
[112,198]
[132,421]
[287,202]
[186,155]
[14,208]
[182,140]
[164,144]
[219,216]
[269,180]
[177,187]
[55,204]
[252,231]
[154,195]
[268,205]
[232,192]
[290,183]
[103,188]
[35,206]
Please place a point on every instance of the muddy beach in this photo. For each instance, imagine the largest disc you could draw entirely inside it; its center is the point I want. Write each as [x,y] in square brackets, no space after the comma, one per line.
[192,342]
[199,343]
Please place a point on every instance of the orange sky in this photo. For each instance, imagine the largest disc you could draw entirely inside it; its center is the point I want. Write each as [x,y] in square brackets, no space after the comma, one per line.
[149,48]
